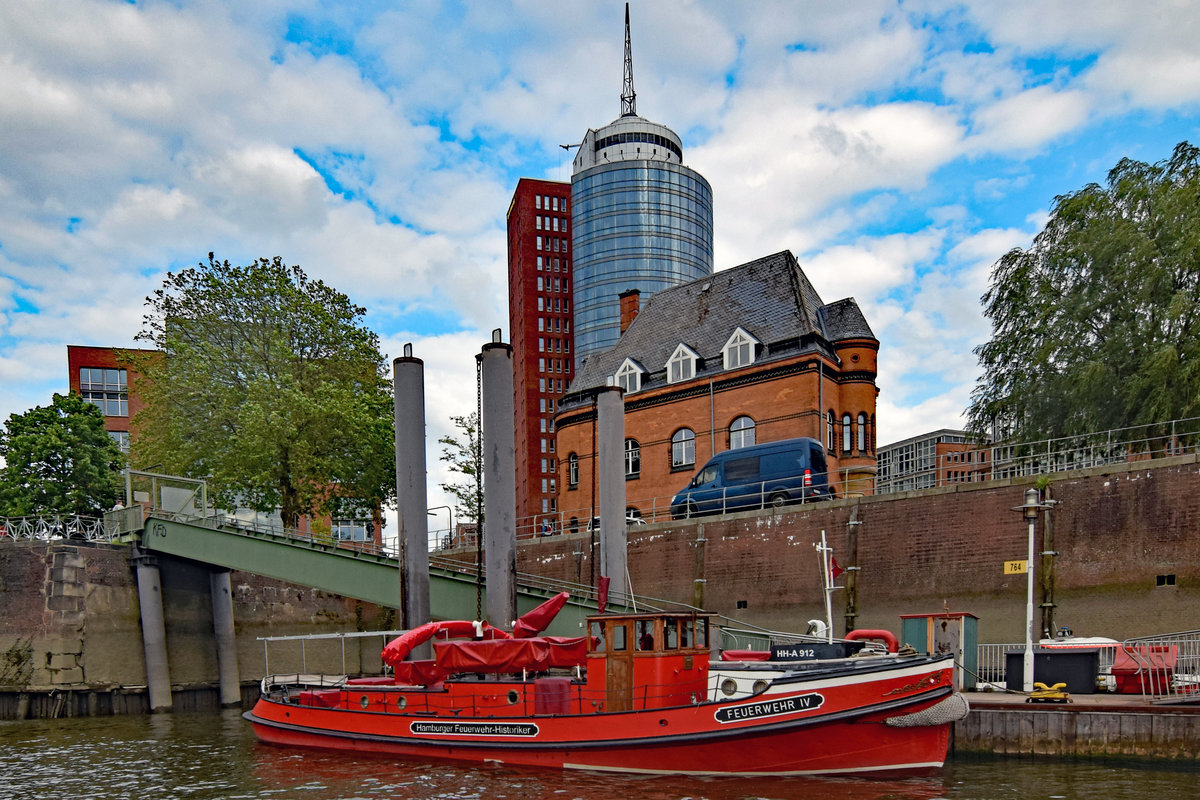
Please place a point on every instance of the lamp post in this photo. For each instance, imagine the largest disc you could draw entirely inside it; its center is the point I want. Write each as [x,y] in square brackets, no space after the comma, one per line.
[1029,510]
[449,514]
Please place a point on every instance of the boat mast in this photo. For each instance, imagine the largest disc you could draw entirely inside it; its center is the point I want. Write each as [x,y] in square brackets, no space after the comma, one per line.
[826,553]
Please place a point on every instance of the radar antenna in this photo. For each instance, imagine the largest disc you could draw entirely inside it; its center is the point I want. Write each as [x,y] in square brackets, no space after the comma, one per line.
[628,95]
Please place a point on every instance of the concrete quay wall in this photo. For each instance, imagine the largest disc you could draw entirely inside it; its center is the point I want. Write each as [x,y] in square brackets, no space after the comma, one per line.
[71,640]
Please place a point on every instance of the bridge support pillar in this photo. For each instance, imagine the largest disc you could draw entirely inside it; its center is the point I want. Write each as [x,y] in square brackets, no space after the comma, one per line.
[154,631]
[227,660]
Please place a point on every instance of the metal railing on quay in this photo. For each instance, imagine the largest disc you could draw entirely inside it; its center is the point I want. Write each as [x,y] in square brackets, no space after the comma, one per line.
[1163,668]
[1166,667]
[54,526]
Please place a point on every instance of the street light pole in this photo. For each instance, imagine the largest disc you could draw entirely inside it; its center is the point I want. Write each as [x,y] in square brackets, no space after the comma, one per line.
[449,514]
[1029,510]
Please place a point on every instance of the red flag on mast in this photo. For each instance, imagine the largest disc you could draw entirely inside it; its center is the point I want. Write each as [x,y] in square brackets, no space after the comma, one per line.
[834,569]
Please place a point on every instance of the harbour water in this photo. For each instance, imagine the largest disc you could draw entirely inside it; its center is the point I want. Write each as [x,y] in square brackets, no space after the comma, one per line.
[215,756]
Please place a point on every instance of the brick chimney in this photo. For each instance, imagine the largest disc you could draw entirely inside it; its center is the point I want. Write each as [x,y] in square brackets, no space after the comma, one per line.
[630,306]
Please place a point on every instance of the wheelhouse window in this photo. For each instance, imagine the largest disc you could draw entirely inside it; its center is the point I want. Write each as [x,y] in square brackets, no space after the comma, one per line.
[682,364]
[741,433]
[629,376]
[683,448]
[633,458]
[740,349]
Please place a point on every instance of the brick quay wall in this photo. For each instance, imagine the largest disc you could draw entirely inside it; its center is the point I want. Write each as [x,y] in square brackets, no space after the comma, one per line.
[1115,530]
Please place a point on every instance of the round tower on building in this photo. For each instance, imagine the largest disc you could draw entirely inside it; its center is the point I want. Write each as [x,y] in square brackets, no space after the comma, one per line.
[641,219]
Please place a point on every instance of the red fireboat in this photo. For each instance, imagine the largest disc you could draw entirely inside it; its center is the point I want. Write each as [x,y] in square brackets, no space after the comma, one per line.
[640,693]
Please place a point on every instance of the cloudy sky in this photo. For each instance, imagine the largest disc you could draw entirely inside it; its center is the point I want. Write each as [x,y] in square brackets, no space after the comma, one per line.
[897,149]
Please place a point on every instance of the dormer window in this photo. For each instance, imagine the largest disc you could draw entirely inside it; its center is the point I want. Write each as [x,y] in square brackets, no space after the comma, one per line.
[629,376]
[739,350]
[681,366]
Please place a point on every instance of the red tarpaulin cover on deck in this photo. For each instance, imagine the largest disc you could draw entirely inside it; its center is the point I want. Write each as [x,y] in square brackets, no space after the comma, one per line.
[535,621]
[511,655]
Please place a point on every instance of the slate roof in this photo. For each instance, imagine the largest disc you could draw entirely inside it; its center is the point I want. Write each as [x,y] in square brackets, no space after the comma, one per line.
[770,297]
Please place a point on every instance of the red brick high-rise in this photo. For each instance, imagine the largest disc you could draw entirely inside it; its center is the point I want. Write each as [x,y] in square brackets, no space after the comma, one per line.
[539,324]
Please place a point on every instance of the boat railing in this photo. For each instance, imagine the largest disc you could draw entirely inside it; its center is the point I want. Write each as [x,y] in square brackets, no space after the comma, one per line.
[304,641]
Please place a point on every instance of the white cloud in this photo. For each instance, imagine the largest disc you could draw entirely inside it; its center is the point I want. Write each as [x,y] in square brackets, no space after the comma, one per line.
[1028,120]
[140,137]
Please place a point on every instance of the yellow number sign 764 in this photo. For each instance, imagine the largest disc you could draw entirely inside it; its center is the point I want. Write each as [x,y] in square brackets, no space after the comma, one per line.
[1015,567]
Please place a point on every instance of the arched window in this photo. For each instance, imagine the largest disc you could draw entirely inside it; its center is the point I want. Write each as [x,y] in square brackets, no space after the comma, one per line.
[683,448]
[862,432]
[741,433]
[572,471]
[846,438]
[830,438]
[633,458]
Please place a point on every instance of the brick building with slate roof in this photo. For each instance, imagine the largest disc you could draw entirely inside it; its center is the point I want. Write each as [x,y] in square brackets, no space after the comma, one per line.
[747,356]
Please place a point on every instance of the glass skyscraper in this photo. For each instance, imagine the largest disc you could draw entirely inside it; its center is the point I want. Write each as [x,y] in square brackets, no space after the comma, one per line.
[642,220]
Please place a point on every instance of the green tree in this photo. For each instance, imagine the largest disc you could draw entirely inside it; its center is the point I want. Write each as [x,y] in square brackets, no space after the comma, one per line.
[59,460]
[462,454]
[1097,325]
[266,384]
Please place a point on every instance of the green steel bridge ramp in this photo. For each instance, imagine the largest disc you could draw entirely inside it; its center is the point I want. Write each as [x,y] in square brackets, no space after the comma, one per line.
[364,574]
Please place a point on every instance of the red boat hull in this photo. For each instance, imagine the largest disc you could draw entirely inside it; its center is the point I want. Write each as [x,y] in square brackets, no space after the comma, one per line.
[834,725]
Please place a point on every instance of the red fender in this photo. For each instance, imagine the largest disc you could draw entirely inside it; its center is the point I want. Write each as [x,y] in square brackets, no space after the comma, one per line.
[398,649]
[887,637]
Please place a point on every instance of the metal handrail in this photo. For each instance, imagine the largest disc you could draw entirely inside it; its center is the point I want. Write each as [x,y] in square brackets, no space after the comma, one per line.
[53,526]
[1165,667]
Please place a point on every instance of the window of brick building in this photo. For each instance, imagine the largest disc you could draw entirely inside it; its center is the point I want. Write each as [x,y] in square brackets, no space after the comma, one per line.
[683,448]
[106,388]
[633,458]
[739,350]
[741,433]
[682,364]
[629,376]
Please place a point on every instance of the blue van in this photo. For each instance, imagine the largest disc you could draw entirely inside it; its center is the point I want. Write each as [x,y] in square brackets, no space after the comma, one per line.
[775,474]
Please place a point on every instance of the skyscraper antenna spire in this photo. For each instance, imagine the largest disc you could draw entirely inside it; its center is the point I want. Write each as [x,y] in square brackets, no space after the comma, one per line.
[628,95]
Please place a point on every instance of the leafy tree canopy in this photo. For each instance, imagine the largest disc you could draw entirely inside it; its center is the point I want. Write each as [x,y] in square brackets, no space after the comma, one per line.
[462,454]
[59,460]
[266,384]
[1097,325]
